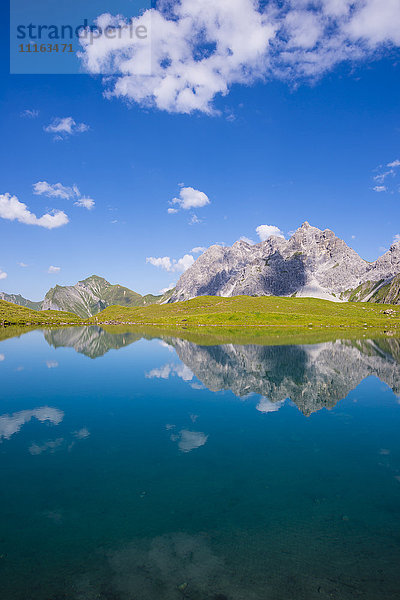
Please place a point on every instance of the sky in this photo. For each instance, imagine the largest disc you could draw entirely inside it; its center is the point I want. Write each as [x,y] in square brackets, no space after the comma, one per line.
[229,120]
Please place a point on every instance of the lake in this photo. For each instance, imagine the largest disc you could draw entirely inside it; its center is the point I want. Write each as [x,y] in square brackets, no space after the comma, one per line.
[152,468]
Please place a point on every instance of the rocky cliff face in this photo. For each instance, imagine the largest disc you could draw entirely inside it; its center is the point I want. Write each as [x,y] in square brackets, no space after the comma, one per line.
[311,263]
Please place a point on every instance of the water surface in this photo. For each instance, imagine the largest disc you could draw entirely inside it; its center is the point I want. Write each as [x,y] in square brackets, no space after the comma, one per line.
[138,469]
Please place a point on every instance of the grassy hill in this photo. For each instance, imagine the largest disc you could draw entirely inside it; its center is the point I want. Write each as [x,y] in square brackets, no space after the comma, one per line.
[246,311]
[12,314]
[267,313]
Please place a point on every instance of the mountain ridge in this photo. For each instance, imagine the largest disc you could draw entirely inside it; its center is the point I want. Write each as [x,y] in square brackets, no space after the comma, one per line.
[312,262]
[87,297]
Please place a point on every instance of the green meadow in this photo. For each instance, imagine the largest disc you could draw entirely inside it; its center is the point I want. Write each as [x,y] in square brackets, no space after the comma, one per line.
[210,319]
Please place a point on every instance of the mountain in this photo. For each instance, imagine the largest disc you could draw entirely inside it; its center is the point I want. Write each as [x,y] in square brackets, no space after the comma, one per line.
[89,296]
[312,376]
[21,301]
[311,263]
[91,341]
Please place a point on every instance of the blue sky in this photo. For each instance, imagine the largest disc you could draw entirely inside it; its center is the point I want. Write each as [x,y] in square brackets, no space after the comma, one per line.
[275,149]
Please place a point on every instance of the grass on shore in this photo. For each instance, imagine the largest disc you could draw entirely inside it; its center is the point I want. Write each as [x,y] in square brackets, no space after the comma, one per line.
[260,336]
[246,311]
[13,314]
[241,316]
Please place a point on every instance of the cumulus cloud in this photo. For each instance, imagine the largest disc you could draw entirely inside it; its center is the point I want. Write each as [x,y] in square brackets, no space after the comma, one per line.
[265,231]
[30,113]
[394,163]
[396,238]
[22,264]
[191,198]
[189,440]
[14,210]
[57,190]
[11,424]
[198,249]
[2,357]
[170,369]
[3,274]
[266,406]
[380,188]
[200,48]
[63,127]
[53,269]
[171,265]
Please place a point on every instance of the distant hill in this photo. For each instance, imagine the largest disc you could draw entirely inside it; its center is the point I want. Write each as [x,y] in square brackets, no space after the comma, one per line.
[12,314]
[21,301]
[87,297]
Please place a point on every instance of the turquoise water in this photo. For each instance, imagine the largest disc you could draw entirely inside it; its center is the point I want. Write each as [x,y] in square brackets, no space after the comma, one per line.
[138,469]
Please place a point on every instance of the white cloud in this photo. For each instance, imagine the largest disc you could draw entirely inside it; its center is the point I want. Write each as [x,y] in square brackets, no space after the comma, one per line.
[11,424]
[22,264]
[382,176]
[63,127]
[2,357]
[394,164]
[30,113]
[3,274]
[247,240]
[170,286]
[162,262]
[265,231]
[171,265]
[391,171]
[172,211]
[53,269]
[55,190]
[266,406]
[81,434]
[51,364]
[170,369]
[14,210]
[191,198]
[85,202]
[51,445]
[189,440]
[194,220]
[396,238]
[200,48]
[198,249]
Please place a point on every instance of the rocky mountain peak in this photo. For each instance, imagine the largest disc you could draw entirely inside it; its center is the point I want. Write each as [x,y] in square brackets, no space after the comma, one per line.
[311,263]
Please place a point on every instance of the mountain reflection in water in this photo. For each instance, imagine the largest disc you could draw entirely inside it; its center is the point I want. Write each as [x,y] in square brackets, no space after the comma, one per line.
[312,376]
[142,475]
